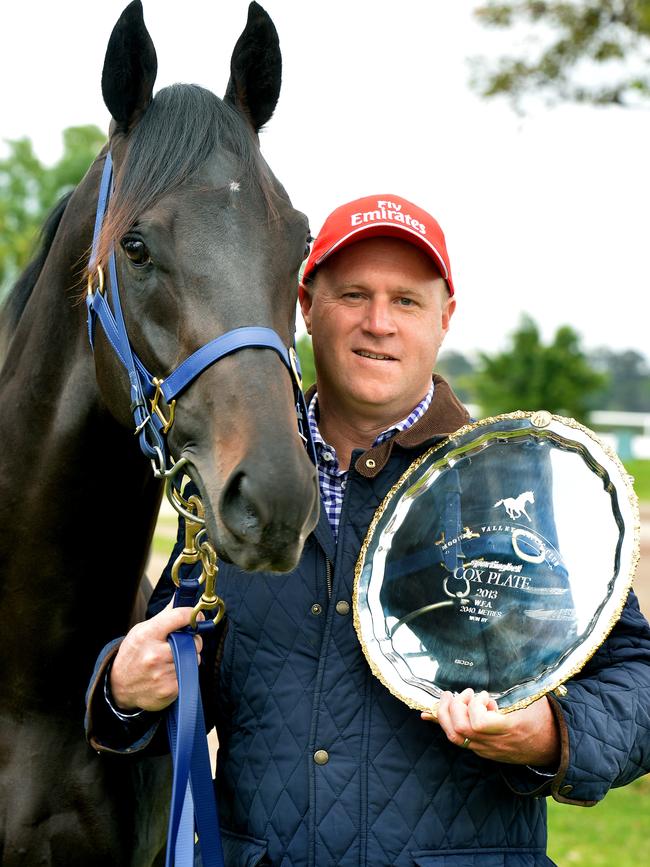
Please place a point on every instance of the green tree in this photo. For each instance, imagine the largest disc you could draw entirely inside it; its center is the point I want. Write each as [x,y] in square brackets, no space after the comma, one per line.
[529,375]
[628,380]
[458,370]
[306,356]
[592,51]
[29,189]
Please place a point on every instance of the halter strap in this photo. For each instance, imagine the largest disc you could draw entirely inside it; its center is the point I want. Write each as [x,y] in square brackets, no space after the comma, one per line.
[247,337]
[105,189]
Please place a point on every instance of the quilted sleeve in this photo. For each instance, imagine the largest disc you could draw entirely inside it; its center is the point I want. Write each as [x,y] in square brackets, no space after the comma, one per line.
[105,731]
[604,720]
[606,714]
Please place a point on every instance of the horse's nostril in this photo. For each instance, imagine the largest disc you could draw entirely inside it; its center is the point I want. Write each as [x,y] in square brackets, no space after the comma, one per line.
[238,511]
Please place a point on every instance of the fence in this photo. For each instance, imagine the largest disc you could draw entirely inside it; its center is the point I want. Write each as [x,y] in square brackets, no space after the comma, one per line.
[628,433]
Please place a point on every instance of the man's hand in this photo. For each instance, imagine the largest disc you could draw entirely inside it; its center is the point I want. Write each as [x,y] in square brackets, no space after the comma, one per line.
[143,675]
[523,737]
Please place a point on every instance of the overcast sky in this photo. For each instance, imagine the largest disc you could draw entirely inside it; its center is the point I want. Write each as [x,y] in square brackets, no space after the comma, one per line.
[546,214]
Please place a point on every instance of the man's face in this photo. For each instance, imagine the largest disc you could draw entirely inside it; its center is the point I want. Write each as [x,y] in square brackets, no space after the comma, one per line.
[377,312]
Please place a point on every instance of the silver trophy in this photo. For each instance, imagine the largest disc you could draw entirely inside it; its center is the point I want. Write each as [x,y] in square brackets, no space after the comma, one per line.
[500,561]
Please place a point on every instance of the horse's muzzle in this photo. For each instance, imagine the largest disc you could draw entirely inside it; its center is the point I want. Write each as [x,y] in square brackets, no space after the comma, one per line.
[265,521]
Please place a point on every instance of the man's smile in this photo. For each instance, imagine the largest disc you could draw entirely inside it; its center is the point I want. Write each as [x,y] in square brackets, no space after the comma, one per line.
[377,356]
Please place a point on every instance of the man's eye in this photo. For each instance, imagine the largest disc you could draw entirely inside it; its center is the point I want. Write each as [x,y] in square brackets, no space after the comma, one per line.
[136,250]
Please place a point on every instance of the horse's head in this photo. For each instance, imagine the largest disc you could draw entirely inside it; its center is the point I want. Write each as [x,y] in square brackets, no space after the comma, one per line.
[206,240]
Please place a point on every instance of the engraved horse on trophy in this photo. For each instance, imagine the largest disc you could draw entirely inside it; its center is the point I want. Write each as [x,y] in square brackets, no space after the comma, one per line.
[516,506]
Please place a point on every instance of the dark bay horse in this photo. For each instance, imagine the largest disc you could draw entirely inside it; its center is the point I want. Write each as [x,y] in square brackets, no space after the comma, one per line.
[206,240]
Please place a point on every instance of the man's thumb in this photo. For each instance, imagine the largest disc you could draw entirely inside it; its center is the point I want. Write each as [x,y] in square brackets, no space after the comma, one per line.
[169,620]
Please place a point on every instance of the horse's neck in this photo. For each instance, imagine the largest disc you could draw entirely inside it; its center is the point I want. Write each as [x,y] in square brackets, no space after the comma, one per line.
[77,499]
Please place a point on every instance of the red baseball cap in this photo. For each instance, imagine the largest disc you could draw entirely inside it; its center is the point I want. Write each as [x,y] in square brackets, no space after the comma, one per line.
[385,215]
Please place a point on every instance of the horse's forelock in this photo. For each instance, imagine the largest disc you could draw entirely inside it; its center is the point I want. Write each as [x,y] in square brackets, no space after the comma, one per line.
[181,128]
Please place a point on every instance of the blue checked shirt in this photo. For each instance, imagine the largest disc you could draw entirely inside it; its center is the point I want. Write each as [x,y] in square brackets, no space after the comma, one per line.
[331,478]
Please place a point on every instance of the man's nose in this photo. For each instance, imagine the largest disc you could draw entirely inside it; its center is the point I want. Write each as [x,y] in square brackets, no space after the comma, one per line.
[379,317]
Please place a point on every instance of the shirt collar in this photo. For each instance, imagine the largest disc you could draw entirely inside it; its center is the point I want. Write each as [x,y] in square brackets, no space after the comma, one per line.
[415,415]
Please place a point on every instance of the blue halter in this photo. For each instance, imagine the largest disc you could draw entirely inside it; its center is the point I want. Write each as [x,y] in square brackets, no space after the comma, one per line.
[150,422]
[193,802]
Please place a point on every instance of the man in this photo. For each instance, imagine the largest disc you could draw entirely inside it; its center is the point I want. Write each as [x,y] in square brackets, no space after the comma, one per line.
[318,763]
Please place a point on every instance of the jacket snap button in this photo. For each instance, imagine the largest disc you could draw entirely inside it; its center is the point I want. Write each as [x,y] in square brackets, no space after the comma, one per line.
[321,757]
[316,608]
[370,463]
[566,789]
[342,607]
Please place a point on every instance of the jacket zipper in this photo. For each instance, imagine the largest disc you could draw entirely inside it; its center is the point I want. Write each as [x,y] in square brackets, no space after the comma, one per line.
[328,577]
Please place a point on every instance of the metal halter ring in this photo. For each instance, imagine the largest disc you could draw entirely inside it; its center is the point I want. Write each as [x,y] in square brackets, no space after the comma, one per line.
[293,358]
[100,282]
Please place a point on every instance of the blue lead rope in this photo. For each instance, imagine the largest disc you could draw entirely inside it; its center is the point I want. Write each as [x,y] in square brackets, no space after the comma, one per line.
[194,806]
[193,810]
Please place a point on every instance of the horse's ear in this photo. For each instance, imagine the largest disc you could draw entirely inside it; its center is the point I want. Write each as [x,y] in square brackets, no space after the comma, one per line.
[130,68]
[256,69]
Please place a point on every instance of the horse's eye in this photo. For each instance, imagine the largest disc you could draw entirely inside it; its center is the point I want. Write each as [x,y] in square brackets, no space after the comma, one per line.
[136,250]
[308,245]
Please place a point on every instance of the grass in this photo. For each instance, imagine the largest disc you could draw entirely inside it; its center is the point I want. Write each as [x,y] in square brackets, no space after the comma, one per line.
[614,833]
[165,534]
[641,472]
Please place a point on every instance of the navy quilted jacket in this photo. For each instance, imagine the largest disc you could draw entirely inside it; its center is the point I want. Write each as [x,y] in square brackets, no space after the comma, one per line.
[320,765]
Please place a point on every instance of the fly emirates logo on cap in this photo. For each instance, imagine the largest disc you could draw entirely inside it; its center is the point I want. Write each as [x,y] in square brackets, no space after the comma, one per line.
[387,211]
[376,216]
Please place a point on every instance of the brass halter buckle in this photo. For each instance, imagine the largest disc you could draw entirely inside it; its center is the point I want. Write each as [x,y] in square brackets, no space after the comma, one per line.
[209,600]
[155,406]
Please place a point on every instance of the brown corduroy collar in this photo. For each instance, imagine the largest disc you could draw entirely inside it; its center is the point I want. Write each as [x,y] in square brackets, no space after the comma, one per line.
[445,415]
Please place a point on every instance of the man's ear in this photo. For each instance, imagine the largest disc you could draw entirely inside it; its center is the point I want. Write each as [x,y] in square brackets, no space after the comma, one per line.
[305,301]
[448,312]
[448,308]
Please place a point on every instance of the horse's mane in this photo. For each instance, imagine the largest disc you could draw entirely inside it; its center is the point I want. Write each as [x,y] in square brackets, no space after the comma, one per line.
[19,295]
[181,127]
